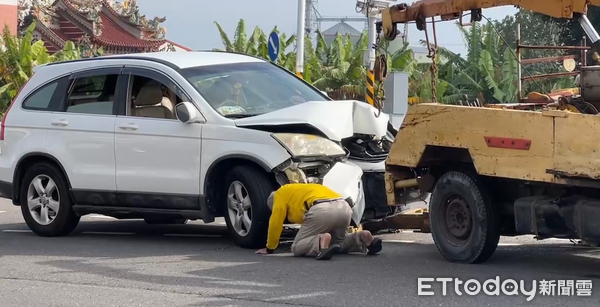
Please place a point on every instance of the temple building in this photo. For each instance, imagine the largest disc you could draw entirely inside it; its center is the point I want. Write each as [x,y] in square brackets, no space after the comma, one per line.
[114,27]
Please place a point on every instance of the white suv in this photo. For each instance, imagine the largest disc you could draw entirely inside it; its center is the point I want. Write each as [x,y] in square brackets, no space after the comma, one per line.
[169,137]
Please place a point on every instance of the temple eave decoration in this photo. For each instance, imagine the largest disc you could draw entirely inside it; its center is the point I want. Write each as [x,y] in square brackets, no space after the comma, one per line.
[107,25]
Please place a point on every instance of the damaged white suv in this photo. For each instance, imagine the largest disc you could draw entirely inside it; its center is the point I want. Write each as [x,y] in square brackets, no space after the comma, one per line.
[169,137]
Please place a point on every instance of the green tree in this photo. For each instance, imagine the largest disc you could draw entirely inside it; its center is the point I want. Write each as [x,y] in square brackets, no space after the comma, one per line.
[538,29]
[20,56]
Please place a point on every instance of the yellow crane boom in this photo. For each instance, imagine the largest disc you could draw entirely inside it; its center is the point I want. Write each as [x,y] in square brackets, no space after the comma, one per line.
[419,11]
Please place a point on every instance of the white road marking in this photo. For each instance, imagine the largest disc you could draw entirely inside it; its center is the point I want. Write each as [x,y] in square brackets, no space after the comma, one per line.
[108,233]
[242,283]
[299,296]
[16,230]
[191,235]
[281,255]
[509,244]
[399,241]
[2,211]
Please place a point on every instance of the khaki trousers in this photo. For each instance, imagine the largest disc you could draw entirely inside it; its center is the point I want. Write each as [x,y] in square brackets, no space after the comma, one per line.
[327,217]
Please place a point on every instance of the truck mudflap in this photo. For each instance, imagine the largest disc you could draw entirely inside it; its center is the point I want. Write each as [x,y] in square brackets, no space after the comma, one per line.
[417,219]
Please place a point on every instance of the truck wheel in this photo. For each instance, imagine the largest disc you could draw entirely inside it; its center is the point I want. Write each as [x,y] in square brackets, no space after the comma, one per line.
[247,216]
[464,223]
[45,201]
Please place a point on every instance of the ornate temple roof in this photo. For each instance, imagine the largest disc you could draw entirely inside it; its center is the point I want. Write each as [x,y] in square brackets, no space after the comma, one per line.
[117,26]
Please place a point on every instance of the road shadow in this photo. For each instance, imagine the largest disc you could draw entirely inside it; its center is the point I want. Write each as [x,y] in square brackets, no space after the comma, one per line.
[199,264]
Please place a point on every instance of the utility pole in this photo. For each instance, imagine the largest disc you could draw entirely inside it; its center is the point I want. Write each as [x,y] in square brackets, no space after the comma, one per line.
[371,9]
[300,34]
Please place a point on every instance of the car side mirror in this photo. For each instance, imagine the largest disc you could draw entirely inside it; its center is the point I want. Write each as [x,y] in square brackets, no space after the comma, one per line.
[187,113]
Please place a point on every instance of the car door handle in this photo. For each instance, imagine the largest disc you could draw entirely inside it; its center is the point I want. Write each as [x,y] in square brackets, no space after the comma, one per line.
[132,127]
[59,122]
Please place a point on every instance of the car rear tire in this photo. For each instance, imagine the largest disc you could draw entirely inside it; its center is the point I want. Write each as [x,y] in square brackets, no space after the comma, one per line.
[45,201]
[464,222]
[245,194]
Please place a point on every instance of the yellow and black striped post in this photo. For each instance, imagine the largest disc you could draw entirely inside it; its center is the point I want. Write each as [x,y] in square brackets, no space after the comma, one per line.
[370,96]
[299,74]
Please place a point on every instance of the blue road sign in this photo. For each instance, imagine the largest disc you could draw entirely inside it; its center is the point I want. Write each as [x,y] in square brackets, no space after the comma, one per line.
[273,46]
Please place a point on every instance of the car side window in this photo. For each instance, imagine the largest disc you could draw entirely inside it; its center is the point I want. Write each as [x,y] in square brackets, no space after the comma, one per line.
[93,95]
[47,97]
[148,97]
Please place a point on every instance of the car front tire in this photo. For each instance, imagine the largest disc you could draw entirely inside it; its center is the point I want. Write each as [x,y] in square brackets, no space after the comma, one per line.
[245,191]
[45,201]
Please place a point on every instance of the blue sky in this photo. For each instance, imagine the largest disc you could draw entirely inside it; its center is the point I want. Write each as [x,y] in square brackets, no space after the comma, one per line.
[191,22]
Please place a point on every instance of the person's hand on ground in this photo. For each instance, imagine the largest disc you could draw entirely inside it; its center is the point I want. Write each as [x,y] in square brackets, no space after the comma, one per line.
[262,251]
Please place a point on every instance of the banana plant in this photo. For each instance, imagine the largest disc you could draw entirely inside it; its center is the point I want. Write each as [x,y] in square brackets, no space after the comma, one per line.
[257,44]
[337,68]
[20,56]
[342,73]
[484,72]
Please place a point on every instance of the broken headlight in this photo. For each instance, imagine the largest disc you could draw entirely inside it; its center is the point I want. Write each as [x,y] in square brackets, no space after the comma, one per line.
[308,145]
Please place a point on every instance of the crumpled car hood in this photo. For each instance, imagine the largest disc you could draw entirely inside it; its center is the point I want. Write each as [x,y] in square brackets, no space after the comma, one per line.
[336,119]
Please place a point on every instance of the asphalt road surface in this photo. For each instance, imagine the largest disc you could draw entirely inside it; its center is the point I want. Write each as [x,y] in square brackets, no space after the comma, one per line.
[113,263]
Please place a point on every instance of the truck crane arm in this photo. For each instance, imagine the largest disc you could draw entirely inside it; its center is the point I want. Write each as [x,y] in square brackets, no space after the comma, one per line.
[453,9]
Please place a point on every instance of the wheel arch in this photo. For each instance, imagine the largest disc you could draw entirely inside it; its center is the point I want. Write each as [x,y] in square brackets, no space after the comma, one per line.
[28,160]
[215,175]
[441,159]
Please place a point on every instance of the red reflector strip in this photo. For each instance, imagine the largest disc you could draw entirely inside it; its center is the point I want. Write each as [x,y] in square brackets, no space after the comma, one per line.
[508,143]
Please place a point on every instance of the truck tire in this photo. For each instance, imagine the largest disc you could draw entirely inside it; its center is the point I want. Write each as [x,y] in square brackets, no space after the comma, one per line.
[46,202]
[464,223]
[245,191]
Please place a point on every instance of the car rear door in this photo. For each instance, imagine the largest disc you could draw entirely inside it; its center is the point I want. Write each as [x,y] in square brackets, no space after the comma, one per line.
[81,134]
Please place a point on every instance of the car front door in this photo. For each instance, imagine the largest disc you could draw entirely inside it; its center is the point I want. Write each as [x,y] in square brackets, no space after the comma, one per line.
[157,156]
[81,134]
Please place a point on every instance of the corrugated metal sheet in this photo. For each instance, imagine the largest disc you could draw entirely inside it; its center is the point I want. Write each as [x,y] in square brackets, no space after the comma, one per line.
[343,29]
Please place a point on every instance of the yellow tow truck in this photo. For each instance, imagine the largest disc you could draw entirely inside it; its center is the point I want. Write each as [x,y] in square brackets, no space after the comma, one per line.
[497,170]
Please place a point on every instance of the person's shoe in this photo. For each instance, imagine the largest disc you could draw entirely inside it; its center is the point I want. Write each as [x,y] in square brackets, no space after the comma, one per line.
[375,247]
[327,253]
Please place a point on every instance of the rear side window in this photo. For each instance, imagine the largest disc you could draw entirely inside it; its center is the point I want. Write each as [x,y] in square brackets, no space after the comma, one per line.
[93,95]
[42,99]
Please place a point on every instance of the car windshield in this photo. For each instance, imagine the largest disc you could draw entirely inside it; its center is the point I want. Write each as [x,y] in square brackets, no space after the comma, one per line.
[247,89]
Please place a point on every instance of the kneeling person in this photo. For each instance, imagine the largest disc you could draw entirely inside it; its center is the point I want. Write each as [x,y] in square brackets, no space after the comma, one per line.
[324,217]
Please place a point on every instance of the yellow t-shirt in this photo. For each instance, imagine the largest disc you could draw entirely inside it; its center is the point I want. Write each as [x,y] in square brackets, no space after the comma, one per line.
[289,201]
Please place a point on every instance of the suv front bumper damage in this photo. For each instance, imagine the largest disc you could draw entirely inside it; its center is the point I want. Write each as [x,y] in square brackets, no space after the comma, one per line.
[342,177]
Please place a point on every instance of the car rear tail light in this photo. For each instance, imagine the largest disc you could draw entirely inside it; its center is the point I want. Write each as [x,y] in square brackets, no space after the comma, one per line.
[3,122]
